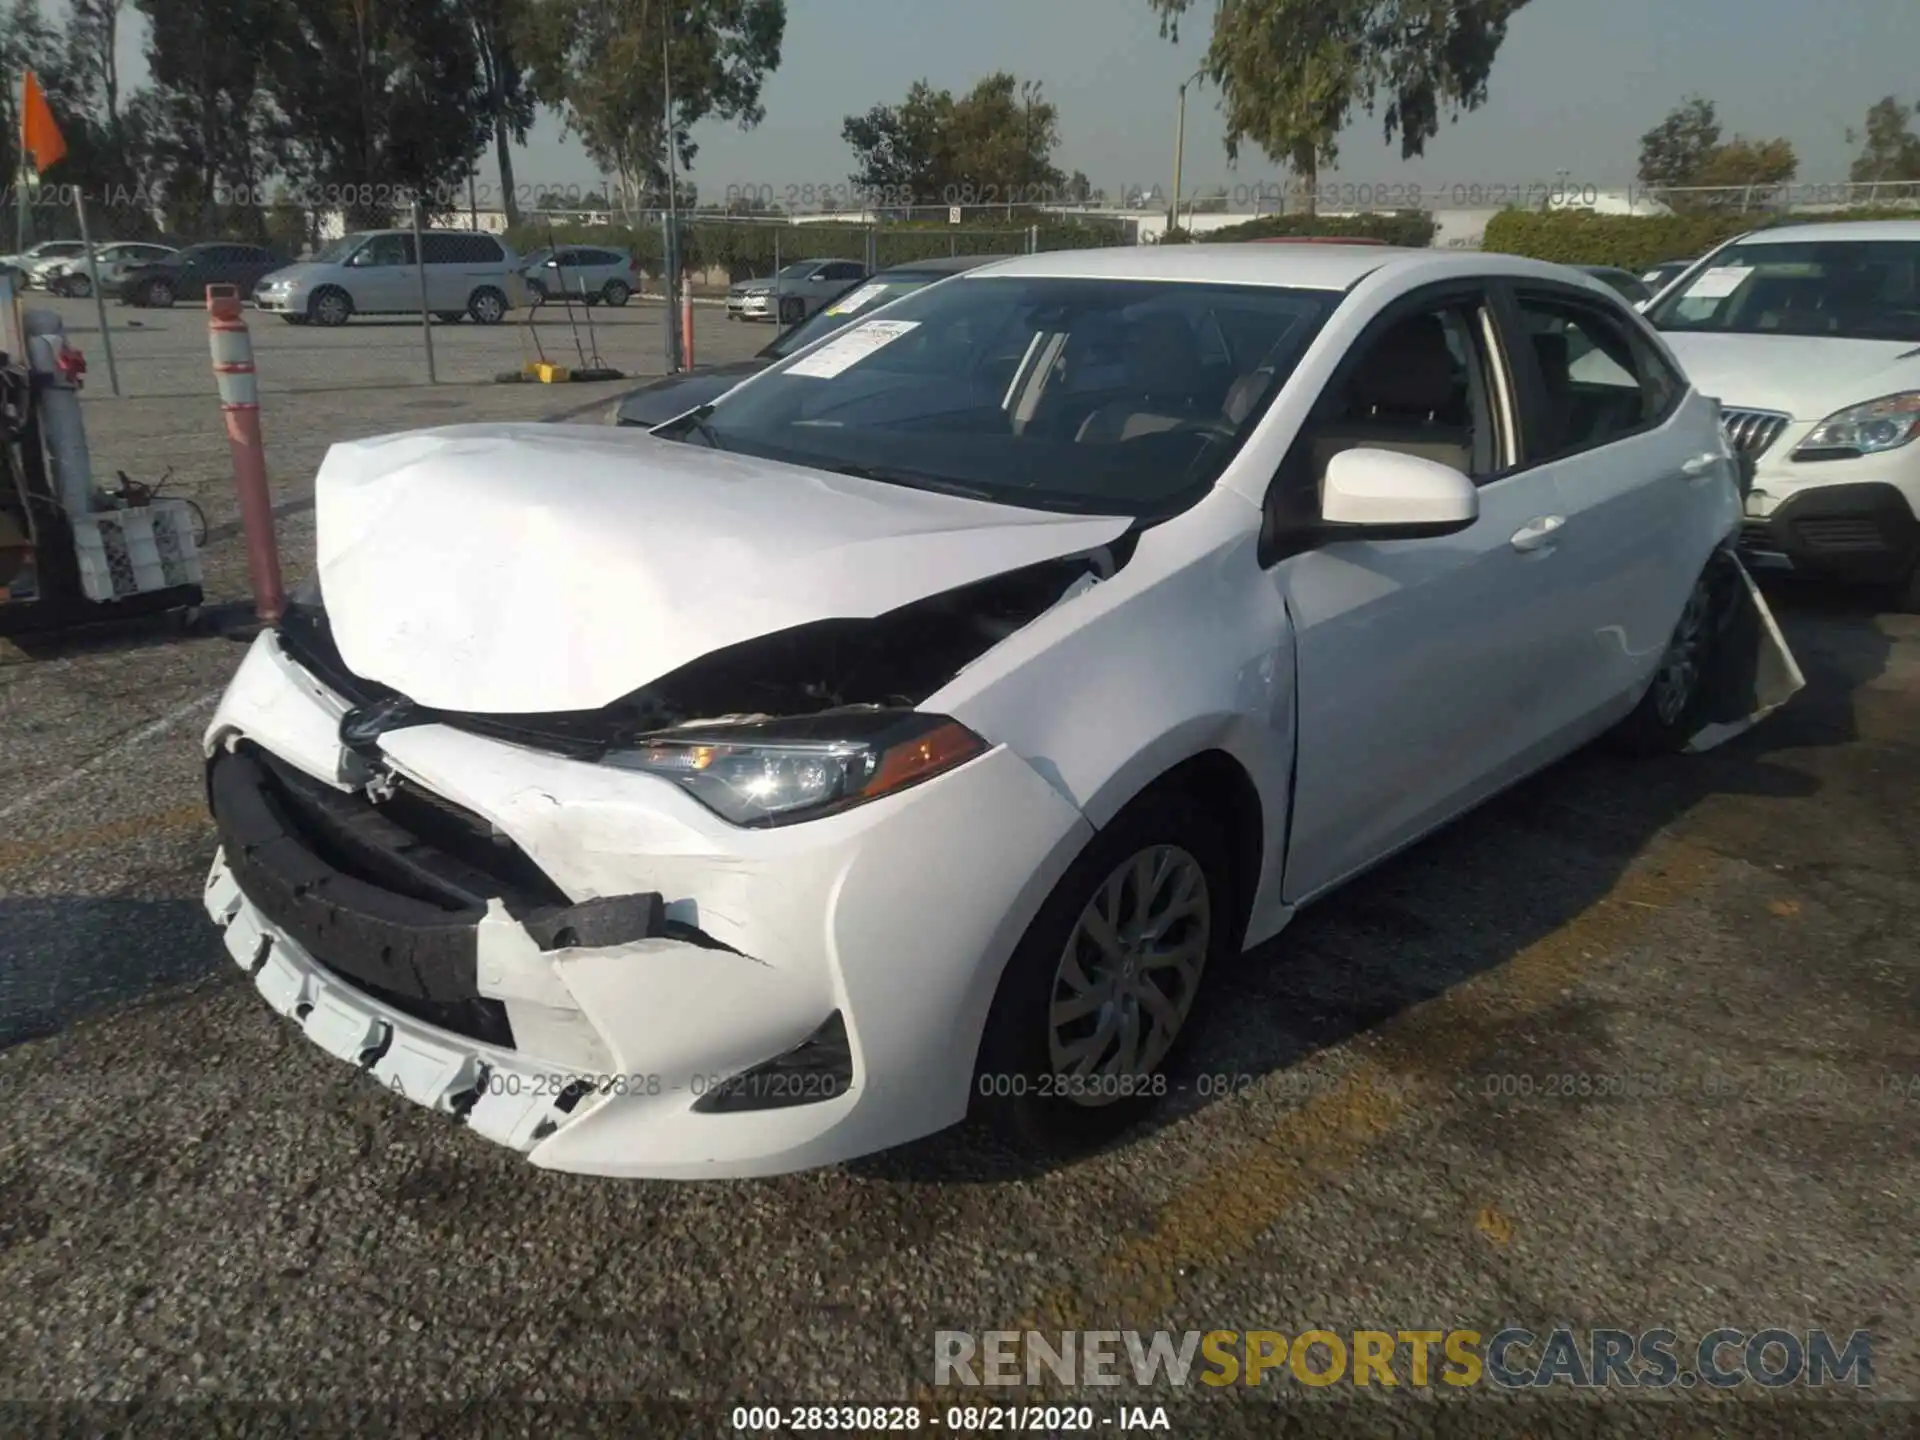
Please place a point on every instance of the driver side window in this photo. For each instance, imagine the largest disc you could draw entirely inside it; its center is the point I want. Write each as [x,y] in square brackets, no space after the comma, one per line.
[1420,382]
[386,250]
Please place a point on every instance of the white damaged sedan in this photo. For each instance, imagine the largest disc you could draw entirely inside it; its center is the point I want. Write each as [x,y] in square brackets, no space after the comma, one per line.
[912,731]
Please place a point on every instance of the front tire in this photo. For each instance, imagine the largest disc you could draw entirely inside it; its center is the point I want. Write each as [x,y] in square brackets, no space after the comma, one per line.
[331,308]
[1099,996]
[159,295]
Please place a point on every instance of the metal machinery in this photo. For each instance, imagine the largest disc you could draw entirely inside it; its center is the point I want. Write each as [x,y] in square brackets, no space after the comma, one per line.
[70,553]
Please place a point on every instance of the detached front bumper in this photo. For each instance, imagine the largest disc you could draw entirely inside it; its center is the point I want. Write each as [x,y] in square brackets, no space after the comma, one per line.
[587,965]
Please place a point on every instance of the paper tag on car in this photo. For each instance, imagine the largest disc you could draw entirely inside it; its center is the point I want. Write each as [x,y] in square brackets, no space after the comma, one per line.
[844,351]
[1719,282]
[859,299]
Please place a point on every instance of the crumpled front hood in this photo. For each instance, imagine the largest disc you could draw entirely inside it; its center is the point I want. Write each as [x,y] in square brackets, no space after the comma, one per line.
[1807,377]
[522,568]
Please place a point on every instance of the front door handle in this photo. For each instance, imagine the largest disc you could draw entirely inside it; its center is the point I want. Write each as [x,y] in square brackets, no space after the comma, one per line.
[1699,465]
[1537,534]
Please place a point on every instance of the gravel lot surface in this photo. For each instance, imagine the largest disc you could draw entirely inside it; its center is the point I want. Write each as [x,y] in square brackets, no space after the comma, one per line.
[1632,1047]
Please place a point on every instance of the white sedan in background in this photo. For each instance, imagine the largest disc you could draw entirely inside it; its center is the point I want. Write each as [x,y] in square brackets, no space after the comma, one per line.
[913,731]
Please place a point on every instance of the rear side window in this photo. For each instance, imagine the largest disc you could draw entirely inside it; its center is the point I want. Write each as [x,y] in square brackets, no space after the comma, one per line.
[455,247]
[1600,381]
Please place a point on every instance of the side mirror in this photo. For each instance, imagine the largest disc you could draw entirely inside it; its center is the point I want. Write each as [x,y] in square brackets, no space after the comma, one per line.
[1388,495]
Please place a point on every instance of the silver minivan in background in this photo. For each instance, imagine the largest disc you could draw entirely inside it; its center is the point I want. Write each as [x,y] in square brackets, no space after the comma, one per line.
[376,272]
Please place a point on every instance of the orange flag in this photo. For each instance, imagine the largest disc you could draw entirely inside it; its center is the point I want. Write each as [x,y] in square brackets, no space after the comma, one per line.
[40,134]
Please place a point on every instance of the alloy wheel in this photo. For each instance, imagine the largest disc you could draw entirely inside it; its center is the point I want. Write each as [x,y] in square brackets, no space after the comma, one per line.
[1128,974]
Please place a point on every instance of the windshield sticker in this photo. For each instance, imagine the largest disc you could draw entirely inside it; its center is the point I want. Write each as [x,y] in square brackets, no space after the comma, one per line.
[1719,282]
[865,295]
[850,348]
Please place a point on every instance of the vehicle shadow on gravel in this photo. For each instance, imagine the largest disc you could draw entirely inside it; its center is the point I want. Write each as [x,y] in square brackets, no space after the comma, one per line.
[67,957]
[1469,899]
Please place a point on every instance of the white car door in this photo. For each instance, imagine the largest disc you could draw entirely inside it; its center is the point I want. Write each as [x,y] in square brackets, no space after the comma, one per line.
[1420,662]
[1646,485]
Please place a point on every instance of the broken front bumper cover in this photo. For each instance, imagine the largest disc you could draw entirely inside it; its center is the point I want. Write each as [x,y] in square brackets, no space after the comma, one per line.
[792,956]
[501,1095]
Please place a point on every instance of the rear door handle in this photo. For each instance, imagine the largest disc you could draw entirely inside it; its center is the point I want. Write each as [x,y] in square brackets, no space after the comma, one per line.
[1699,465]
[1537,534]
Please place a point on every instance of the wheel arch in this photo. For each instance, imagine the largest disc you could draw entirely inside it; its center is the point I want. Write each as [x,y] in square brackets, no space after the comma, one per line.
[1202,758]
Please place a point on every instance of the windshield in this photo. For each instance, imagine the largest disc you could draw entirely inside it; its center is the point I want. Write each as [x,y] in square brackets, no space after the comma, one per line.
[1842,289]
[339,250]
[799,269]
[859,300]
[1116,397]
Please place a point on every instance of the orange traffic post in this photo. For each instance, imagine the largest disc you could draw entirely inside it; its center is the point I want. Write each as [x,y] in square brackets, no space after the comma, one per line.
[686,323]
[240,403]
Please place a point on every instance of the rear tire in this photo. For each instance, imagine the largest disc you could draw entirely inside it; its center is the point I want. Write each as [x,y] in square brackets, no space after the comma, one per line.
[487,306]
[1669,713]
[1046,1081]
[616,293]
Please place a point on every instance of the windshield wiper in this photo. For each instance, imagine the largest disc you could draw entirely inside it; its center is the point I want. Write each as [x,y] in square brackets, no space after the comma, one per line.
[916,480]
[696,421]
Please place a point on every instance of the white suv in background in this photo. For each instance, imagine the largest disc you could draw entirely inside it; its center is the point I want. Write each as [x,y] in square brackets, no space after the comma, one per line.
[377,273]
[1810,337]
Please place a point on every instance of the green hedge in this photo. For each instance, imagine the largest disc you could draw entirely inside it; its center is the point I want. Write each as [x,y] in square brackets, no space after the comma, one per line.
[745,249]
[1635,242]
[1407,227]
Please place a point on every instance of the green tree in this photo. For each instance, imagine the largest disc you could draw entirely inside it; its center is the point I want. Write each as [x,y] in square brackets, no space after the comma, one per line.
[1673,152]
[1741,161]
[209,138]
[1292,72]
[606,66]
[500,28]
[1685,151]
[993,145]
[1889,150]
[383,101]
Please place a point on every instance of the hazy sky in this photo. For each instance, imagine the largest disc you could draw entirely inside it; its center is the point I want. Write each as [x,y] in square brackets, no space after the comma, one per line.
[1574,87]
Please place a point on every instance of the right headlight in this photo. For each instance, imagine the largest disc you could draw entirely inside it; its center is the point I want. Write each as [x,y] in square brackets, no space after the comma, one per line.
[1868,429]
[773,772]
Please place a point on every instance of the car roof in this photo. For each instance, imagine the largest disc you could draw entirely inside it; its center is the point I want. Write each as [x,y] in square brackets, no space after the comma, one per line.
[940,265]
[1835,230]
[1304,267]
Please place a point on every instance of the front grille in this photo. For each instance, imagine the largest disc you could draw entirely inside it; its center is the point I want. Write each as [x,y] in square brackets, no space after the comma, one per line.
[1835,533]
[1752,431]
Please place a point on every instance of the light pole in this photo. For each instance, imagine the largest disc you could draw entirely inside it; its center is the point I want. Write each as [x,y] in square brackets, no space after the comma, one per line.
[1179,149]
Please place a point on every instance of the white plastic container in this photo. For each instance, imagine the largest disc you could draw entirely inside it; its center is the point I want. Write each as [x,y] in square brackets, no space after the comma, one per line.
[136,550]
